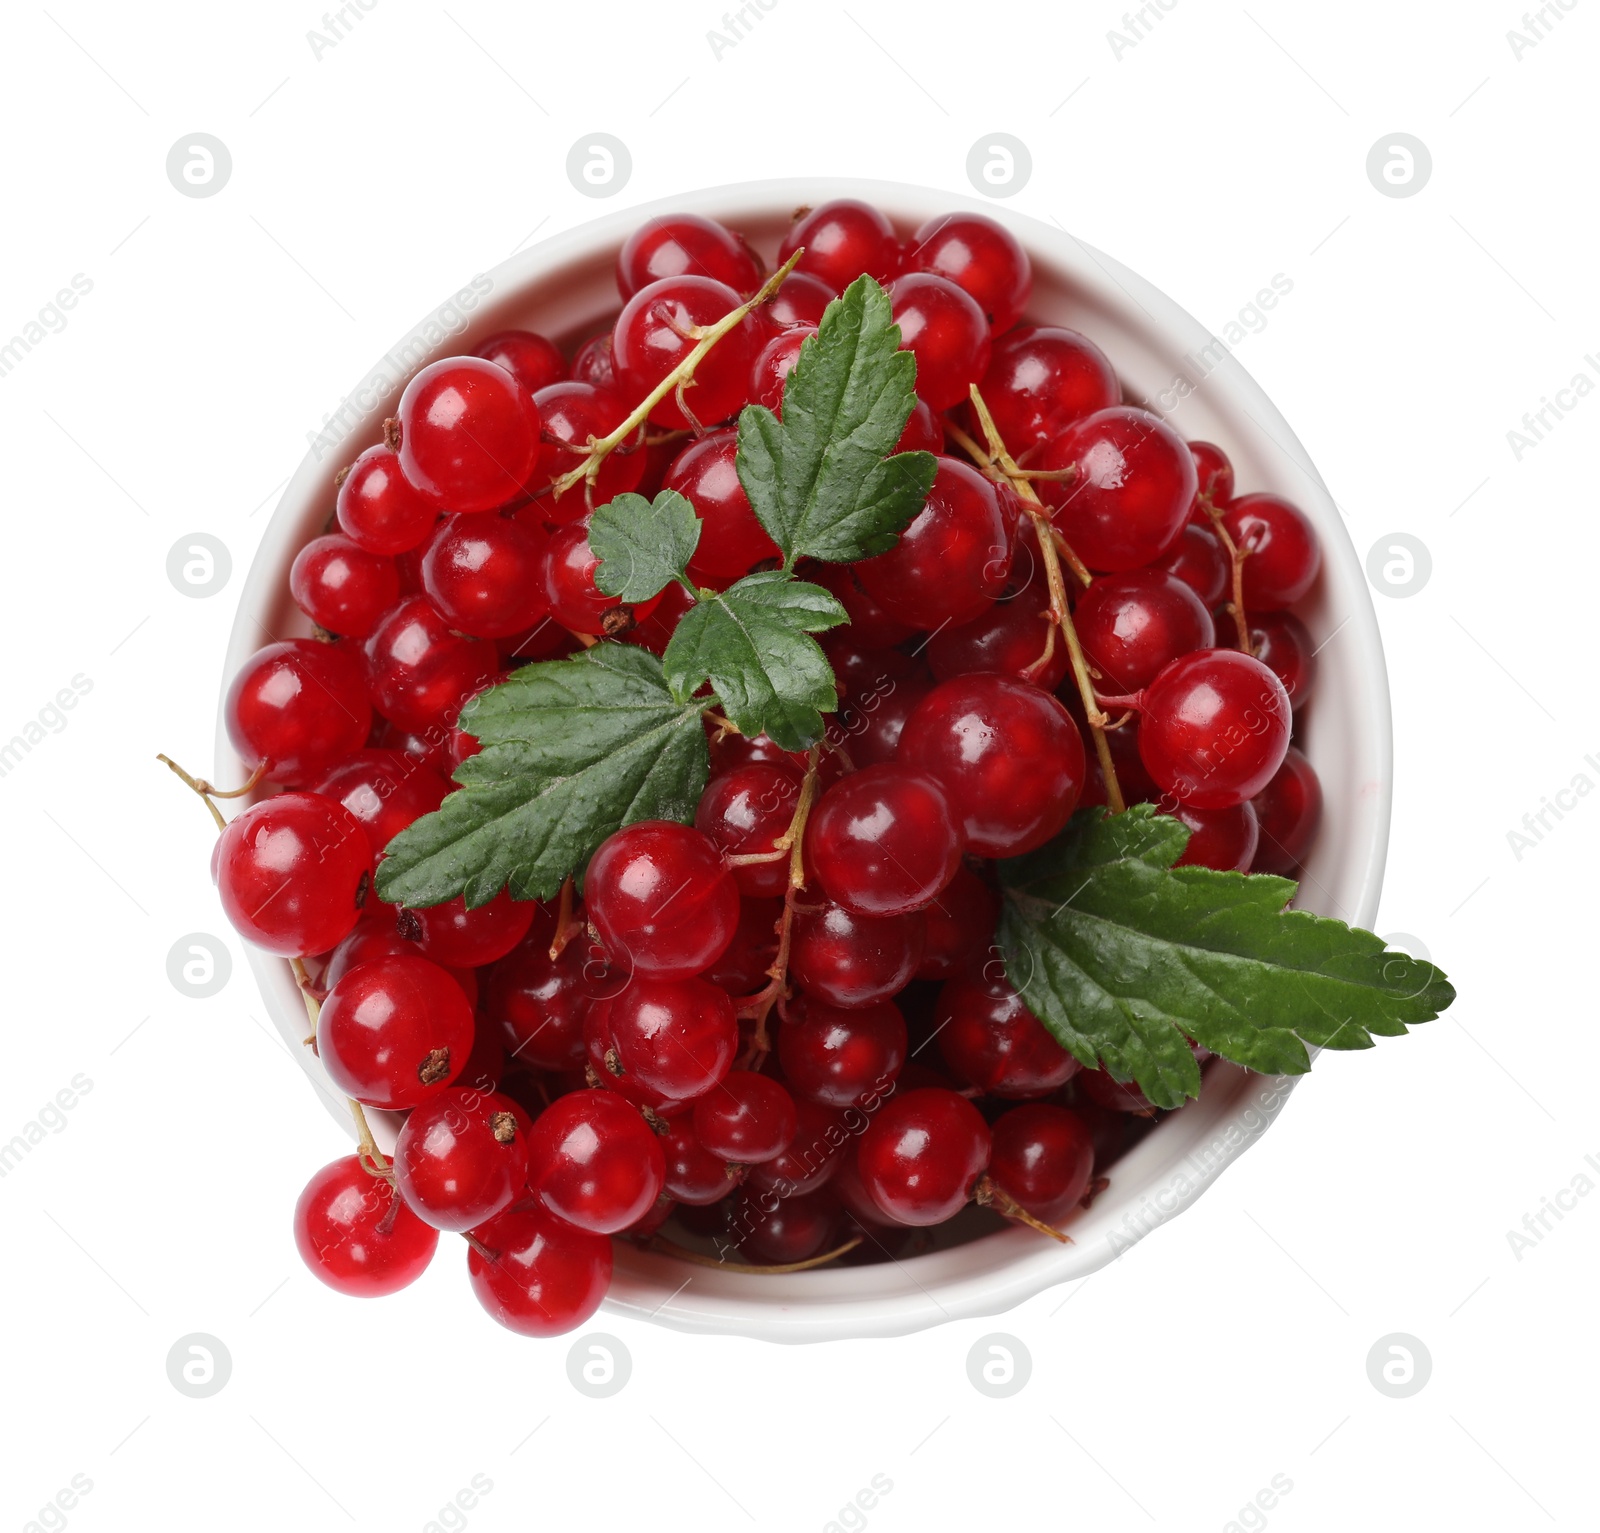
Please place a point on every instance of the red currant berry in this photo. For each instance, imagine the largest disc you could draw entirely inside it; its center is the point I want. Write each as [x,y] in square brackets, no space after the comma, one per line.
[743,813]
[394,1032]
[293,872]
[945,330]
[539,1003]
[924,432]
[418,671]
[743,968]
[843,240]
[1009,639]
[694,1175]
[542,1276]
[954,558]
[883,841]
[686,245]
[1131,492]
[922,1154]
[1284,554]
[1008,755]
[1041,379]
[1104,1090]
[1215,480]
[748,1119]
[654,632]
[656,331]
[299,706]
[532,360]
[869,726]
[813,1155]
[591,363]
[1043,1158]
[869,622]
[1200,561]
[778,1231]
[594,1162]
[469,434]
[1290,810]
[672,1038]
[342,587]
[850,960]
[981,257]
[465,939]
[1284,646]
[731,539]
[481,575]
[462,1157]
[1214,727]
[459,745]
[356,1235]
[572,414]
[566,578]
[770,370]
[1224,839]
[373,937]
[1138,787]
[379,509]
[990,1039]
[960,925]
[800,302]
[661,899]
[1134,624]
[838,1057]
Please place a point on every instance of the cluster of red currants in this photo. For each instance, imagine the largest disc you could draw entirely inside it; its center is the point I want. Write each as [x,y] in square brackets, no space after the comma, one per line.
[569,1076]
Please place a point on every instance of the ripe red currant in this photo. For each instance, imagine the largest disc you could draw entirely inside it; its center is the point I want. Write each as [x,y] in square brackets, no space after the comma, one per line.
[1290,810]
[1043,1157]
[541,1276]
[942,326]
[356,1234]
[571,414]
[1283,644]
[566,580]
[661,899]
[469,434]
[686,245]
[839,1057]
[850,960]
[800,302]
[1131,492]
[379,508]
[593,1161]
[742,813]
[1008,755]
[843,240]
[883,841]
[463,939]
[980,256]
[532,360]
[1224,839]
[1200,561]
[394,1032]
[657,330]
[482,575]
[778,1231]
[1008,638]
[813,1155]
[771,368]
[731,539]
[922,1154]
[954,558]
[342,587]
[1132,625]
[373,937]
[539,1003]
[1284,554]
[990,1039]
[299,706]
[1041,379]
[694,1175]
[671,1038]
[960,925]
[1214,480]
[591,363]
[293,872]
[462,1157]
[747,1119]
[419,672]
[743,968]
[1214,727]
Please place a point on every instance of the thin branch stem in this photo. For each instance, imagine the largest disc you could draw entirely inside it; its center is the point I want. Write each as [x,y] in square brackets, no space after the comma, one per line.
[700,1259]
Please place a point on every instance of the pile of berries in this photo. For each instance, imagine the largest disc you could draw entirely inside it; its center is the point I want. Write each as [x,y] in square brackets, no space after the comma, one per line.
[785,1025]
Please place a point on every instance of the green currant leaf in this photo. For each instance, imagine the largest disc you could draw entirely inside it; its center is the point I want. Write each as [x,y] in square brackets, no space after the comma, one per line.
[820,480]
[751,642]
[643,545]
[572,750]
[1124,957]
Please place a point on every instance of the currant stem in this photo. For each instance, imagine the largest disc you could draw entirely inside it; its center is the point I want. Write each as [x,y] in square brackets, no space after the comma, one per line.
[1058,603]
[680,375]
[1236,558]
[200,786]
[672,1248]
[988,1194]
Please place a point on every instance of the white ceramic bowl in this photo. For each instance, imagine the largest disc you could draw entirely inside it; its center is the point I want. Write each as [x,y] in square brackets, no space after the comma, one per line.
[564,288]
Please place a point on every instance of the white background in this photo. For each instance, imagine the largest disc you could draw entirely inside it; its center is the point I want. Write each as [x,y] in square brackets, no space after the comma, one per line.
[1222,148]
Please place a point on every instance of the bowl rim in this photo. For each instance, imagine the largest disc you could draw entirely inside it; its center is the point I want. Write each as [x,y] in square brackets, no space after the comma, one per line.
[1173,1164]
